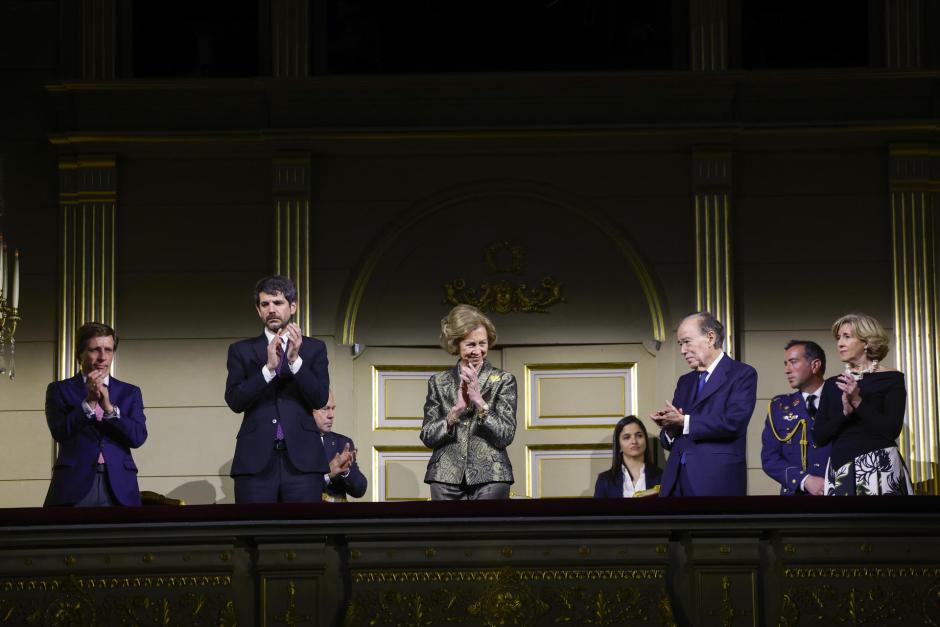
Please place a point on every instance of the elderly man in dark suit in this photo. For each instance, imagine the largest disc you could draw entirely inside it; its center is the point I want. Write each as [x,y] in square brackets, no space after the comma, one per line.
[344,477]
[277,379]
[96,420]
[705,425]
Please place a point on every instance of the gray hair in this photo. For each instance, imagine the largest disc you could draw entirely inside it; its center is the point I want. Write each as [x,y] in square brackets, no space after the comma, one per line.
[707,322]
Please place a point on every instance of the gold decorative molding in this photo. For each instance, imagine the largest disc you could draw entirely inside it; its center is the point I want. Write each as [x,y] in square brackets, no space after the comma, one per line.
[291,616]
[914,181]
[381,377]
[536,454]
[873,595]
[727,596]
[114,599]
[88,202]
[545,574]
[503,295]
[534,419]
[356,291]
[291,195]
[711,166]
[382,454]
[510,596]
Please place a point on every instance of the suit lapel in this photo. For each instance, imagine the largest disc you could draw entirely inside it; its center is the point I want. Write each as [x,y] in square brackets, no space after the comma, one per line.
[485,383]
[716,379]
[260,346]
[76,388]
[687,383]
[115,390]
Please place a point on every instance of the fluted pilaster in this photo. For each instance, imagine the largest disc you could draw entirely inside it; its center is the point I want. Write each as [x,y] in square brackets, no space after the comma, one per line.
[915,183]
[292,226]
[88,201]
[711,181]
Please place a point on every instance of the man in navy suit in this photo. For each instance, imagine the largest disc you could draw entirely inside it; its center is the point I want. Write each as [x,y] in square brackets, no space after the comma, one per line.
[344,476]
[789,454]
[277,379]
[705,425]
[96,420]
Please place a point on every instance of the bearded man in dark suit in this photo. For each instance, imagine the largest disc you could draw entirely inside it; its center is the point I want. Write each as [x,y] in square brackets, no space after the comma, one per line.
[276,380]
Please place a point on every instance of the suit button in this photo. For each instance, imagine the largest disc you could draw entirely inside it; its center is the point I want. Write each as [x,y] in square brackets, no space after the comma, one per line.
[274,421]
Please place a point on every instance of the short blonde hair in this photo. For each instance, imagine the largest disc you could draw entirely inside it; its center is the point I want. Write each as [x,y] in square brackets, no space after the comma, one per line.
[868,330]
[460,322]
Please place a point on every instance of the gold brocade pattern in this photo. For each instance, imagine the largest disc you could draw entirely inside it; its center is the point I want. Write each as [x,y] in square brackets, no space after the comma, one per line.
[876,596]
[475,448]
[133,600]
[510,596]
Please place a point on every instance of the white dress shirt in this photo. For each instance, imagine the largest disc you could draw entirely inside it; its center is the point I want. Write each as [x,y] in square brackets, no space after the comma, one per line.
[294,367]
[629,487]
[90,413]
[817,393]
[708,374]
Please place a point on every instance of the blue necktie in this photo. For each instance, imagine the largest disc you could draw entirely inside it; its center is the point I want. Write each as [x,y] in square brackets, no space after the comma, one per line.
[701,384]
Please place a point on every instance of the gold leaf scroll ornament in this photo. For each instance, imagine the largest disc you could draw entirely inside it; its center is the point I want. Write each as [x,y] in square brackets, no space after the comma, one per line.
[504,296]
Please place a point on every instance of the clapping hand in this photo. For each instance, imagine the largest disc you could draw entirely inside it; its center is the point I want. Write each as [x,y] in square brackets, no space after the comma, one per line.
[97,391]
[669,417]
[460,406]
[851,395]
[295,338]
[272,352]
[342,462]
[470,385]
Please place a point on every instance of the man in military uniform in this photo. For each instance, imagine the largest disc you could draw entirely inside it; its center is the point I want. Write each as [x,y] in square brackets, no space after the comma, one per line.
[788,454]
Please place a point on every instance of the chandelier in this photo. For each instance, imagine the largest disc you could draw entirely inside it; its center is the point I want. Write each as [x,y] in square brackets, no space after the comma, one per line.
[9,308]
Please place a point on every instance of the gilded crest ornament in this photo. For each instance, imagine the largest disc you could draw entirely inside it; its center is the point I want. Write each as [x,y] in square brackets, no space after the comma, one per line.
[504,295]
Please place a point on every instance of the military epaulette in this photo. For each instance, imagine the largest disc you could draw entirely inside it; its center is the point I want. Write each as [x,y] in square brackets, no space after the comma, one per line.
[783,407]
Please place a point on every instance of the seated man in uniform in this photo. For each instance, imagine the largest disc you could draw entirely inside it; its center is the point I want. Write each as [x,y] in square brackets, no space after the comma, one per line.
[344,476]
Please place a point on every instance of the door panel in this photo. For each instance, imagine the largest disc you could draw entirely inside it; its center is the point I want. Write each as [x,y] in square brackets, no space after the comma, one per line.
[569,399]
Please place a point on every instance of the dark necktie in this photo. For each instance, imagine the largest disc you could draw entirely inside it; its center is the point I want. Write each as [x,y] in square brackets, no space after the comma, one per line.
[279,434]
[701,384]
[99,416]
[280,358]
[811,405]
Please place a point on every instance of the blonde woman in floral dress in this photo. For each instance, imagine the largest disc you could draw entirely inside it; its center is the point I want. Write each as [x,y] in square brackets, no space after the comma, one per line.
[861,412]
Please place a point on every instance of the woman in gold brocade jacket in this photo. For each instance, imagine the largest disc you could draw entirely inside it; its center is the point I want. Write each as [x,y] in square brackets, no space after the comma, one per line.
[469,414]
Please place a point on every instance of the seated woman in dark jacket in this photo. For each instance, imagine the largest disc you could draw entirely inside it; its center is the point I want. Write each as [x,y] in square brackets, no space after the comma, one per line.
[632,472]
